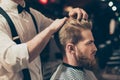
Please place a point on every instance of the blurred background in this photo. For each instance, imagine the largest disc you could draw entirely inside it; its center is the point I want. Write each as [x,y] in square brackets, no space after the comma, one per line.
[105,18]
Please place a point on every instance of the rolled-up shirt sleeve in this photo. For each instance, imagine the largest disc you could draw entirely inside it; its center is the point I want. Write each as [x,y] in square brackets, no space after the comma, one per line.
[13,57]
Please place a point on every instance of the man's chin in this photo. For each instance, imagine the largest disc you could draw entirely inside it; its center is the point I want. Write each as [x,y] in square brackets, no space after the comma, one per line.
[88,64]
[91,65]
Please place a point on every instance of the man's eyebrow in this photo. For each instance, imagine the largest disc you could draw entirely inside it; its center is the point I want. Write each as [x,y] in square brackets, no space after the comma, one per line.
[90,40]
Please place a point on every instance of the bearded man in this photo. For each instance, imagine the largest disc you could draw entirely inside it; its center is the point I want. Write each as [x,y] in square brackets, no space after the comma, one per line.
[76,42]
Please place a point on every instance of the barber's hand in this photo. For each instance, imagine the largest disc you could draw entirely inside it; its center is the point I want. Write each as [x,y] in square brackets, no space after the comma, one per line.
[57,24]
[78,13]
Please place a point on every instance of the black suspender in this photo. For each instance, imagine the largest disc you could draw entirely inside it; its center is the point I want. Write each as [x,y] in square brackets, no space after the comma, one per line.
[33,18]
[35,23]
[14,33]
[11,24]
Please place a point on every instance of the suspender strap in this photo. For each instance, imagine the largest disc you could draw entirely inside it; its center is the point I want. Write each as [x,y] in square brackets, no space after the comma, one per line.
[26,72]
[12,26]
[35,23]
[33,18]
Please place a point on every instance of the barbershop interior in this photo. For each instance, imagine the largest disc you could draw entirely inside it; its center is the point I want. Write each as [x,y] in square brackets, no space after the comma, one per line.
[105,18]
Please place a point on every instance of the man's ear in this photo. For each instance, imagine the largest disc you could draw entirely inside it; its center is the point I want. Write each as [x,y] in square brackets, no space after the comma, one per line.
[70,47]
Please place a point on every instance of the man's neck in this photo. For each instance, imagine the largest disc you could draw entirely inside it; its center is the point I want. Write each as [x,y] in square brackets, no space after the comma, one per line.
[75,67]
[70,61]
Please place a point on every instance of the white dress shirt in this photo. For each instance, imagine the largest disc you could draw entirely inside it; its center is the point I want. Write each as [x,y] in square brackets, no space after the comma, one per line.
[14,57]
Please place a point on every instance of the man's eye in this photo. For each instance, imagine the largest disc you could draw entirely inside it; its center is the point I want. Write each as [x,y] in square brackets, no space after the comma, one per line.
[90,42]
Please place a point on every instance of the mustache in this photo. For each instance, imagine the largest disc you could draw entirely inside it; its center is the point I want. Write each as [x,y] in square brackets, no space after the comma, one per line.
[94,52]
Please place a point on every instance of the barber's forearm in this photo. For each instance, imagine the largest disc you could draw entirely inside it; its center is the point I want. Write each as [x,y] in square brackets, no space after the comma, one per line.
[37,44]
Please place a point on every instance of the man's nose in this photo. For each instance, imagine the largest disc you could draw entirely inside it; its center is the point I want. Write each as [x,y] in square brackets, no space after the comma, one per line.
[95,48]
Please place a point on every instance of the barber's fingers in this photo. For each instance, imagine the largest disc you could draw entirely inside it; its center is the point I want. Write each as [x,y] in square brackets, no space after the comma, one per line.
[78,13]
[84,15]
[57,24]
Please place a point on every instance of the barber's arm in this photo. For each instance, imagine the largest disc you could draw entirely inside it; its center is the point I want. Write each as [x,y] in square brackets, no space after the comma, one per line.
[37,44]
